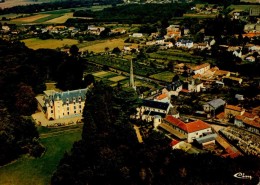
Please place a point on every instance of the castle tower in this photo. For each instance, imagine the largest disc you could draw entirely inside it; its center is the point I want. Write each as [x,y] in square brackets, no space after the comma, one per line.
[132,83]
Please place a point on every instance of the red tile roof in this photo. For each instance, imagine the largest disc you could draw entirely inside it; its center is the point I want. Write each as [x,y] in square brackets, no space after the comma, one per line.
[196,126]
[233,107]
[187,127]
[174,142]
[200,66]
[162,96]
[249,115]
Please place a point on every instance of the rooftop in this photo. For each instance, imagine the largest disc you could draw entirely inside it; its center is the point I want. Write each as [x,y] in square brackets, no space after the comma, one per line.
[233,107]
[155,104]
[187,127]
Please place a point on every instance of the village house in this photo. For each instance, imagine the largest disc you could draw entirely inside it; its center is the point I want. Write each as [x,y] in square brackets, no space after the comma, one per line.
[201,46]
[232,111]
[184,43]
[151,108]
[129,47]
[95,30]
[188,131]
[213,107]
[200,69]
[63,104]
[193,85]
[137,35]
[249,121]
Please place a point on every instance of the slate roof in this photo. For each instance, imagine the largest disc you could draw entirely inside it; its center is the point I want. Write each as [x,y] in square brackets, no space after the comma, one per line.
[155,104]
[68,95]
[216,103]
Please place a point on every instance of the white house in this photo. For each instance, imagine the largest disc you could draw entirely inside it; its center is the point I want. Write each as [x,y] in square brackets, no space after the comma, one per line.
[184,43]
[137,35]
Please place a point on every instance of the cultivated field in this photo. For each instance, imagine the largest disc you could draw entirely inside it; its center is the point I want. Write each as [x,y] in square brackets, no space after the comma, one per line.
[31,18]
[98,47]
[38,171]
[200,16]
[35,43]
[11,3]
[240,8]
[61,19]
[117,78]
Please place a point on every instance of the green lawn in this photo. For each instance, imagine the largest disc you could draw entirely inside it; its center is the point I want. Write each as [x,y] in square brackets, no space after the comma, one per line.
[164,76]
[38,171]
[35,43]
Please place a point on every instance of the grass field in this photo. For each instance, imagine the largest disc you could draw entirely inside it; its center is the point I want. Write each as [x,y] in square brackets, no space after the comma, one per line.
[164,76]
[240,8]
[174,55]
[31,171]
[31,18]
[48,18]
[200,16]
[60,19]
[117,78]
[98,47]
[35,43]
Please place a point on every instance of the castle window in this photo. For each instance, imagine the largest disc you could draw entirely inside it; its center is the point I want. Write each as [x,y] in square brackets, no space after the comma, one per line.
[68,108]
[68,113]
[74,112]
[80,106]
[51,111]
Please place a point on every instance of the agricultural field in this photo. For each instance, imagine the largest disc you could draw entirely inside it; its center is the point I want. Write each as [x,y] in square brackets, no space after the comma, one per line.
[239,8]
[38,171]
[60,19]
[110,78]
[124,65]
[199,16]
[174,55]
[35,43]
[98,47]
[164,76]
[30,19]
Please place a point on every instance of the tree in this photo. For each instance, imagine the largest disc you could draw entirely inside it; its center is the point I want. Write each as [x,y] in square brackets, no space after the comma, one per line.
[74,50]
[116,51]
[105,33]
[106,50]
[26,103]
